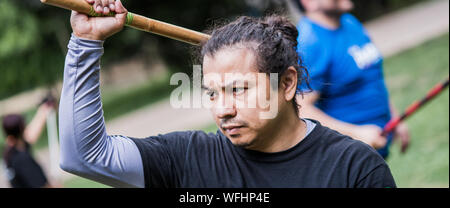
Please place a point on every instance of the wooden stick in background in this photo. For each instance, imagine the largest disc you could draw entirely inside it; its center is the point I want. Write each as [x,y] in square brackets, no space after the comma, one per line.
[137,21]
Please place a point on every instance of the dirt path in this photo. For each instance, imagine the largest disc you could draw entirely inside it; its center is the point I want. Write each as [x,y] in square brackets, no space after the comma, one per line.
[391,33]
[409,27]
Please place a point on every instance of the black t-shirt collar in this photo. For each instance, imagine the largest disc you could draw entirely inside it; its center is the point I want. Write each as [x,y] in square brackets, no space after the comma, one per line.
[299,148]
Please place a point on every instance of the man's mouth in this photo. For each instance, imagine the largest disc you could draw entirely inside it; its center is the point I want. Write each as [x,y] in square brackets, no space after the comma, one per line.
[232,129]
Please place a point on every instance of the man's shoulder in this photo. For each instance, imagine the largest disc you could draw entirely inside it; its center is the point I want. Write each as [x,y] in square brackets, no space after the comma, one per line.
[190,134]
[349,19]
[353,160]
[312,41]
[330,136]
[308,33]
[181,137]
[352,25]
[341,145]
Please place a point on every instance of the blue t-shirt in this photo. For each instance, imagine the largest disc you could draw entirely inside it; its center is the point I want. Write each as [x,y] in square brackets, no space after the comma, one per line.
[346,69]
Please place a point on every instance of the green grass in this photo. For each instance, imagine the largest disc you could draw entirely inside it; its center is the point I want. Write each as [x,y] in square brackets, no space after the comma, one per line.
[409,76]
[116,102]
[79,182]
[210,128]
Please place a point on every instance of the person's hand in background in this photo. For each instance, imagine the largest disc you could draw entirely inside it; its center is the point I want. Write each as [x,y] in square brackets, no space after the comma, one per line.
[401,133]
[370,134]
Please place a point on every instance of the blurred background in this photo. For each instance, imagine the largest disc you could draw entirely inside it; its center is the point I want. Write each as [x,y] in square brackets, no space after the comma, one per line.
[412,35]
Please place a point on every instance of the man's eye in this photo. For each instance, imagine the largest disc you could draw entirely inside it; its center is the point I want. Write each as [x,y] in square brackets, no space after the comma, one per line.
[211,93]
[239,90]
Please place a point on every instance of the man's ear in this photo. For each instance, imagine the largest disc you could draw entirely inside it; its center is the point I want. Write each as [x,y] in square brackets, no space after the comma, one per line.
[288,83]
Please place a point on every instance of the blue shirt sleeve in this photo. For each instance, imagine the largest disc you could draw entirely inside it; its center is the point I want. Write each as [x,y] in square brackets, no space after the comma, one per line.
[86,149]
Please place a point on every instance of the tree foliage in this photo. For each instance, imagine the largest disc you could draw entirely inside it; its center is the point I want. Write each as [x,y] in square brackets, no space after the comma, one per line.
[34,36]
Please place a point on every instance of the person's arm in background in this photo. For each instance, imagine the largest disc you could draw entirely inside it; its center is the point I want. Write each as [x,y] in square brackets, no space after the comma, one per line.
[316,54]
[369,134]
[34,129]
[401,131]
[86,149]
[31,135]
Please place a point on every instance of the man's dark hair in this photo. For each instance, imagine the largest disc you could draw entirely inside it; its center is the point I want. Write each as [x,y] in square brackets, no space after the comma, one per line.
[299,5]
[13,125]
[275,38]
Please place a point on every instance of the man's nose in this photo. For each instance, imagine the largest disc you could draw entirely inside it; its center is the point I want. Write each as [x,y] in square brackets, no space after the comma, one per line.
[225,108]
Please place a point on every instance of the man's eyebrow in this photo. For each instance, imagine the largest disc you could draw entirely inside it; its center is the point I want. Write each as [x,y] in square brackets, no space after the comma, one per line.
[230,85]
[235,83]
[205,87]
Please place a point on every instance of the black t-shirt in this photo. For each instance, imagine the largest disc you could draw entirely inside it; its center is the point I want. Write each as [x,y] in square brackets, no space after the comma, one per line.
[324,158]
[22,170]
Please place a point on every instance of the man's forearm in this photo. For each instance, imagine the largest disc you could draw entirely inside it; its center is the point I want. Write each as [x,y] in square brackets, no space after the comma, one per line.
[311,111]
[369,134]
[86,149]
[394,112]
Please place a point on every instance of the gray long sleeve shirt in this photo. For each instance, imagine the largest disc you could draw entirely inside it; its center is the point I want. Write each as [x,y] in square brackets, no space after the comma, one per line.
[86,149]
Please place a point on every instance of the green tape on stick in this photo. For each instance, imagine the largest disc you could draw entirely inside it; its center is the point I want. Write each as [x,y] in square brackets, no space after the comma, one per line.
[92,13]
[129,18]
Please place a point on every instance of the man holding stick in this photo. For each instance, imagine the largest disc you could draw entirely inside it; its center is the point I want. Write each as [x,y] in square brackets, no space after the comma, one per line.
[279,150]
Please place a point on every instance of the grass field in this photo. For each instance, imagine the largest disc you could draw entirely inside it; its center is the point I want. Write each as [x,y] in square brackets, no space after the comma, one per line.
[78,182]
[409,76]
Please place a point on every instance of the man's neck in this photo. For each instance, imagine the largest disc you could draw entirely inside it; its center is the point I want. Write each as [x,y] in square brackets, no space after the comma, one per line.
[287,131]
[331,22]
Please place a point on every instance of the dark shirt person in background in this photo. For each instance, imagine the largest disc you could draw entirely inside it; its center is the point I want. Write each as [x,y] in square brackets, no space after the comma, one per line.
[22,169]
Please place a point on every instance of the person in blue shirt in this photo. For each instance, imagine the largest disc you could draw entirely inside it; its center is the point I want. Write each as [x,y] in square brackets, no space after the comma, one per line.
[346,75]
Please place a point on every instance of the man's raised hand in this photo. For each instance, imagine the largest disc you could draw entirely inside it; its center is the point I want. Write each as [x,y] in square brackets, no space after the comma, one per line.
[99,28]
